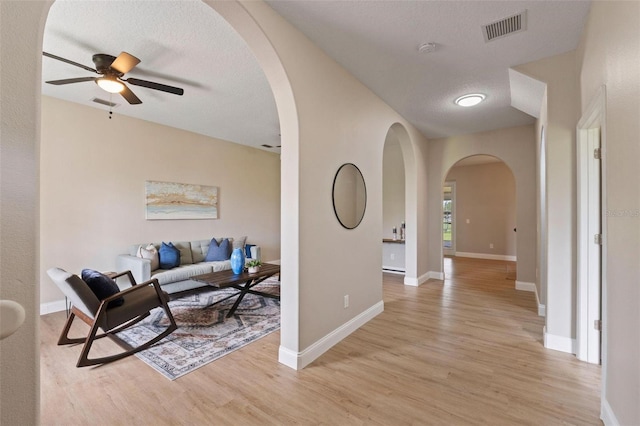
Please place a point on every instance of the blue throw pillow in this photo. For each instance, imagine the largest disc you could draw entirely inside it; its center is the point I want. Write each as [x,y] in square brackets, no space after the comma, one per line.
[218,252]
[102,286]
[247,250]
[169,256]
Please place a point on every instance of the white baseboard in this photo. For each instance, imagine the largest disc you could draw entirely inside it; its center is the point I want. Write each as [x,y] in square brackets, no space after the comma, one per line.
[542,310]
[299,360]
[559,343]
[51,307]
[525,286]
[415,282]
[486,256]
[606,414]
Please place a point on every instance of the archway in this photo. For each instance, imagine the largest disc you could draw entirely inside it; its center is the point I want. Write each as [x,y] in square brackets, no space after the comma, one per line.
[479,211]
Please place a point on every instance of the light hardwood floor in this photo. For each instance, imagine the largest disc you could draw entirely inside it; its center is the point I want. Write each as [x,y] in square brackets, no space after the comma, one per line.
[464,351]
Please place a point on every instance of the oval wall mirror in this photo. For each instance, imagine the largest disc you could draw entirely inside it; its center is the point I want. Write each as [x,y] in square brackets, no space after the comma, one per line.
[349,195]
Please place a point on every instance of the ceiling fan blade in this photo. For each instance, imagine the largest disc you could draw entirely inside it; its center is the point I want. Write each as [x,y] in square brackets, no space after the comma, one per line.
[49,55]
[125,62]
[130,96]
[71,80]
[156,86]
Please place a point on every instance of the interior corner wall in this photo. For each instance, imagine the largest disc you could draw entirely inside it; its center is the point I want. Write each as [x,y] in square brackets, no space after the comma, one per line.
[486,196]
[516,147]
[92,188]
[609,55]
[559,73]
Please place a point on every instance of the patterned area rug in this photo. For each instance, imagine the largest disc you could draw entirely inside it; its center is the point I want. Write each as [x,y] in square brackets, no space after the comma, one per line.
[204,335]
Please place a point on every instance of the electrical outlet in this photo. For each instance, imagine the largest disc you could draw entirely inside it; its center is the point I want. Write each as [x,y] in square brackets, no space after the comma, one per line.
[468,220]
[346,301]
[393,256]
[491,245]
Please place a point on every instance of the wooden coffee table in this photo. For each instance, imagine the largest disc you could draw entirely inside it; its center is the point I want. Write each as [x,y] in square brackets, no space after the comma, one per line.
[244,282]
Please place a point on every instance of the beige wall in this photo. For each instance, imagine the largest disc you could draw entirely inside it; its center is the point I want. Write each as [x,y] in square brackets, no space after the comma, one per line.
[486,196]
[92,181]
[609,55]
[340,121]
[393,187]
[516,147]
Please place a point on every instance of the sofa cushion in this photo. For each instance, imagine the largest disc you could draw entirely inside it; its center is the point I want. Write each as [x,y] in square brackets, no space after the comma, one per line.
[185,252]
[149,252]
[199,249]
[102,286]
[169,256]
[239,242]
[181,273]
[218,252]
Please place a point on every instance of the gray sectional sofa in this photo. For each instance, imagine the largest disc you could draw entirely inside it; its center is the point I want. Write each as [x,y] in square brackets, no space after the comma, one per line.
[192,255]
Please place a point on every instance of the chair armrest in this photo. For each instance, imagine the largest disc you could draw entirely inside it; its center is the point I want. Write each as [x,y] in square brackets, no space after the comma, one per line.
[140,268]
[132,280]
[121,293]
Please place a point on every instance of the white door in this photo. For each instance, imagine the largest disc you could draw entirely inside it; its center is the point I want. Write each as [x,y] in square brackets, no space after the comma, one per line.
[590,247]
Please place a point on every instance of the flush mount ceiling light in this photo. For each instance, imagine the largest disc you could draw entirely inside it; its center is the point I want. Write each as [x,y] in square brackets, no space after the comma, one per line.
[470,99]
[110,83]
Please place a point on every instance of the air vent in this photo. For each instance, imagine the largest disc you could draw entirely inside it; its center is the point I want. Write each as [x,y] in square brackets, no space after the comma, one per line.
[103,102]
[504,27]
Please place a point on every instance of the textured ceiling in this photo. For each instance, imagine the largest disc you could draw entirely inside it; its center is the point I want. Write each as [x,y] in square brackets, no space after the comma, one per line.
[186,44]
[180,43]
[378,42]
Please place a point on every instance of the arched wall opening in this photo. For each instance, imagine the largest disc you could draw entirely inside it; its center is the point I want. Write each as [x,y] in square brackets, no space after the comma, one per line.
[516,147]
[480,218]
[399,205]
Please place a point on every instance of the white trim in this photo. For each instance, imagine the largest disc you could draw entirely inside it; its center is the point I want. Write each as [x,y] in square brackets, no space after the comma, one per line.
[415,282]
[542,310]
[299,360]
[486,256]
[436,275]
[51,307]
[525,286]
[559,343]
[607,415]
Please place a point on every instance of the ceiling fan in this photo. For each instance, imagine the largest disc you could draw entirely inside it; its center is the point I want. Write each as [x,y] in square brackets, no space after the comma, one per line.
[111,70]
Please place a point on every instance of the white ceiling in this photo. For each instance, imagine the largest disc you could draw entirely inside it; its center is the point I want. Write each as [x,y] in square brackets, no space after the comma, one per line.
[186,44]
[180,43]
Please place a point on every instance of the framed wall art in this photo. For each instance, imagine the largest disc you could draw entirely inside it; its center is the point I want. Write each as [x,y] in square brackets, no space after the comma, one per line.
[169,200]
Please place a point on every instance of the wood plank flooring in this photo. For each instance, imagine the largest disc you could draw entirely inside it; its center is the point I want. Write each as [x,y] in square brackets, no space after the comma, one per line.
[464,351]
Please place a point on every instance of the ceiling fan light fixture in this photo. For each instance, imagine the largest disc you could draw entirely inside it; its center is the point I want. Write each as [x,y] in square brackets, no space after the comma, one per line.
[470,100]
[110,84]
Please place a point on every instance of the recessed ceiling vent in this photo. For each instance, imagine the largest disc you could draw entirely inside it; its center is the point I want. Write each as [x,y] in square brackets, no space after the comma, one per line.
[504,27]
[103,102]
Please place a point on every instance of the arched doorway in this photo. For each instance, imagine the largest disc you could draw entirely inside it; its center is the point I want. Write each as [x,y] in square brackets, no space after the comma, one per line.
[479,211]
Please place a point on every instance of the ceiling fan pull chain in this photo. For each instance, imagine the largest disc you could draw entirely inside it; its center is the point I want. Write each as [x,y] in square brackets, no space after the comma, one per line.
[110,105]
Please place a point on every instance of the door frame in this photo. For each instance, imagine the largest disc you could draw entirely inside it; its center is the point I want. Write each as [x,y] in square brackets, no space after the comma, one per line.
[452,250]
[591,292]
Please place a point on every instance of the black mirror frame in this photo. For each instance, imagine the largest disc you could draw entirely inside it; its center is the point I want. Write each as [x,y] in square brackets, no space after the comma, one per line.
[333,198]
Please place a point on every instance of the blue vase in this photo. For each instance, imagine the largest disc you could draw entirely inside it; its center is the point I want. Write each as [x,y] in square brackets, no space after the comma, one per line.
[237,261]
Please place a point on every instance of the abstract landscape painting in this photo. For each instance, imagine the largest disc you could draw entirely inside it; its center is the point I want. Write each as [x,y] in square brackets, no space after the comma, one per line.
[167,200]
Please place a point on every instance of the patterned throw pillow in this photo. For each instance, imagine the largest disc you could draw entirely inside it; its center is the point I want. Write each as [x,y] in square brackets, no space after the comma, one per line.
[149,252]
[102,286]
[169,256]
[219,252]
